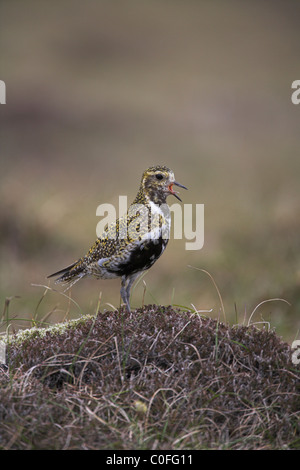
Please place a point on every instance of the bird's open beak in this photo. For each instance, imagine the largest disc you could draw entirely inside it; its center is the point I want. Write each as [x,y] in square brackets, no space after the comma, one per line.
[170,188]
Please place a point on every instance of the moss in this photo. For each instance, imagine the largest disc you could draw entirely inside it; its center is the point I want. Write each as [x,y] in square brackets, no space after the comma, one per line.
[29,334]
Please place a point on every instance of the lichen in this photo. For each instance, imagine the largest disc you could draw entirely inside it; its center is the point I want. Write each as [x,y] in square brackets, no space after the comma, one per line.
[35,332]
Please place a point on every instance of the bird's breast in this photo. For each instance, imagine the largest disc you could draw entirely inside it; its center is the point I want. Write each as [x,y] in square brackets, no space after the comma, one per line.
[140,256]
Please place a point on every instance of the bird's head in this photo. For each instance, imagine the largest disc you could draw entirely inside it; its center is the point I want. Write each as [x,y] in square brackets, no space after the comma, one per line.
[157,184]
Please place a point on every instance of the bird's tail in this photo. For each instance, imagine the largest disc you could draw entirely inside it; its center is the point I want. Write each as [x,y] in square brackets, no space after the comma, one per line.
[70,275]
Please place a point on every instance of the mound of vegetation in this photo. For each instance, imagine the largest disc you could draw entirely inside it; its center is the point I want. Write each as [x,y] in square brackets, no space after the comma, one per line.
[155,378]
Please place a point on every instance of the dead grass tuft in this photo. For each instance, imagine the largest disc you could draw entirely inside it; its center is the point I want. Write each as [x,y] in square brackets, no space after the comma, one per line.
[155,378]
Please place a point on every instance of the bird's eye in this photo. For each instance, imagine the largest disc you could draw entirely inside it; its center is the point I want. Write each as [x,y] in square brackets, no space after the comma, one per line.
[159,176]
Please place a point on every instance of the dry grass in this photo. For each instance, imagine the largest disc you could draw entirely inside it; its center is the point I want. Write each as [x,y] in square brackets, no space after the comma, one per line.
[157,378]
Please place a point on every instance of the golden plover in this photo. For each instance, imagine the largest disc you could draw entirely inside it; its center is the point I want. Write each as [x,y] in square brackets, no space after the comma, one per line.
[130,245]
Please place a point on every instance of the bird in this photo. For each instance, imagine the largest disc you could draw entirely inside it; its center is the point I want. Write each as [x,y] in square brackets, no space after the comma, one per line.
[133,243]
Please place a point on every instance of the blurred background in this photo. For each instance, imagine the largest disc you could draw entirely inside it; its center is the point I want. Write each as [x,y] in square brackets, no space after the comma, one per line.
[96,92]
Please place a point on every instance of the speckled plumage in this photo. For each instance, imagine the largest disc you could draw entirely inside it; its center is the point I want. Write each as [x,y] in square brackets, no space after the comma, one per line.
[133,242]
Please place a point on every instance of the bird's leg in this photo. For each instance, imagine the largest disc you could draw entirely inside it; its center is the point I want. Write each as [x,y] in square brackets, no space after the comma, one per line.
[126,285]
[131,280]
[127,303]
[125,293]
